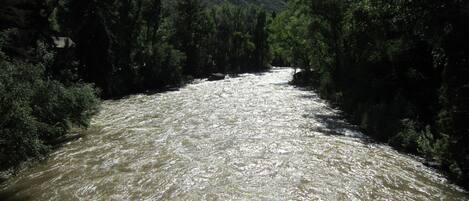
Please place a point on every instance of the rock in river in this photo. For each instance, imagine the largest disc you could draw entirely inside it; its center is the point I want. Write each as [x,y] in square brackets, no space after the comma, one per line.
[217,76]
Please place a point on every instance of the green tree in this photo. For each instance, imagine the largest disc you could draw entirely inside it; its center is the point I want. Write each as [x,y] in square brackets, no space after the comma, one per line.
[35,110]
[189,33]
[261,41]
[86,21]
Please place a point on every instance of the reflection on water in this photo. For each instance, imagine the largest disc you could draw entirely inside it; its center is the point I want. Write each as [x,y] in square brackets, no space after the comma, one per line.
[248,138]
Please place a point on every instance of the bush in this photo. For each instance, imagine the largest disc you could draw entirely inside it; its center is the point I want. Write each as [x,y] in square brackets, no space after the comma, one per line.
[35,110]
[408,136]
[423,142]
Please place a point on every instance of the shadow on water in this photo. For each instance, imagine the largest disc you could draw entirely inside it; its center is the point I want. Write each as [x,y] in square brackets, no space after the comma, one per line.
[305,88]
[163,90]
[177,87]
[11,195]
[335,123]
[148,92]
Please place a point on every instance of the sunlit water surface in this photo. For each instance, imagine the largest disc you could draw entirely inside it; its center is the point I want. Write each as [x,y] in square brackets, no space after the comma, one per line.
[253,137]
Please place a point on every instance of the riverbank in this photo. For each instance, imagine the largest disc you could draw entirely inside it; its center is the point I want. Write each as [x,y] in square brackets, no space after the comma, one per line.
[73,135]
[252,137]
[399,138]
[76,133]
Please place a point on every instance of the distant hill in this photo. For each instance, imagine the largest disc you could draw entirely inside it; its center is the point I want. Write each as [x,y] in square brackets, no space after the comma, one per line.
[273,5]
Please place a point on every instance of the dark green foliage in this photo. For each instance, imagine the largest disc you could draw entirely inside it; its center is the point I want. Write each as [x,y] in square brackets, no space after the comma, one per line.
[271,5]
[41,94]
[190,30]
[399,68]
[85,22]
[261,53]
[289,37]
[163,68]
[240,39]
[122,47]
[35,110]
[128,46]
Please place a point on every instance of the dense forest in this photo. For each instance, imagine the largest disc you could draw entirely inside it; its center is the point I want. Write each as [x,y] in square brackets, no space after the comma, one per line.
[50,50]
[270,5]
[398,69]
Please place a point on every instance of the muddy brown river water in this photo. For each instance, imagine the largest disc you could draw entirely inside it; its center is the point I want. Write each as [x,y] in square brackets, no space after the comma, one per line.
[253,137]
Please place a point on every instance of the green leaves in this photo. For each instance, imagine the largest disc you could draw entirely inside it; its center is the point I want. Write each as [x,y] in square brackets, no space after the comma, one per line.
[389,61]
[35,110]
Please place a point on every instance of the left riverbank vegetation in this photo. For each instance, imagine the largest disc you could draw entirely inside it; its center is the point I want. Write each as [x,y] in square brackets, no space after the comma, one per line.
[35,108]
[129,46]
[399,69]
[58,57]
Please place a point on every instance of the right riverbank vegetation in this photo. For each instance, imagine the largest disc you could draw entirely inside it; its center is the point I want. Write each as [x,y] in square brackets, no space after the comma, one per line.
[399,69]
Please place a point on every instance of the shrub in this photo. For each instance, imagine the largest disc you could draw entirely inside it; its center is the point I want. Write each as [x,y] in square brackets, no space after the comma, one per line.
[35,110]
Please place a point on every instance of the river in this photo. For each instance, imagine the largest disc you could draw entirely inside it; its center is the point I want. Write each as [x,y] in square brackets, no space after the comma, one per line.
[252,137]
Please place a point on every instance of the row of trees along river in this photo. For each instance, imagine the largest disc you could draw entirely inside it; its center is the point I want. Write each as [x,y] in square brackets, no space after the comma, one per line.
[398,69]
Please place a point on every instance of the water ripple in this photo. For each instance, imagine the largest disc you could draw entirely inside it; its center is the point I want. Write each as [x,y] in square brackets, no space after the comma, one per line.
[252,137]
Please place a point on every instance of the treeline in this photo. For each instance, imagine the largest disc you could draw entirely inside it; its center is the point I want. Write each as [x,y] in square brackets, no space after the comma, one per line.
[400,69]
[271,5]
[50,49]
[127,46]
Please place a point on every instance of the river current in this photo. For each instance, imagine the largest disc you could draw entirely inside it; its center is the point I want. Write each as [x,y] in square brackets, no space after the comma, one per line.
[252,137]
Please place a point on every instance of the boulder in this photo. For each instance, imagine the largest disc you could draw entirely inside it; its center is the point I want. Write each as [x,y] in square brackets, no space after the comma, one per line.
[432,164]
[65,139]
[306,78]
[216,76]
